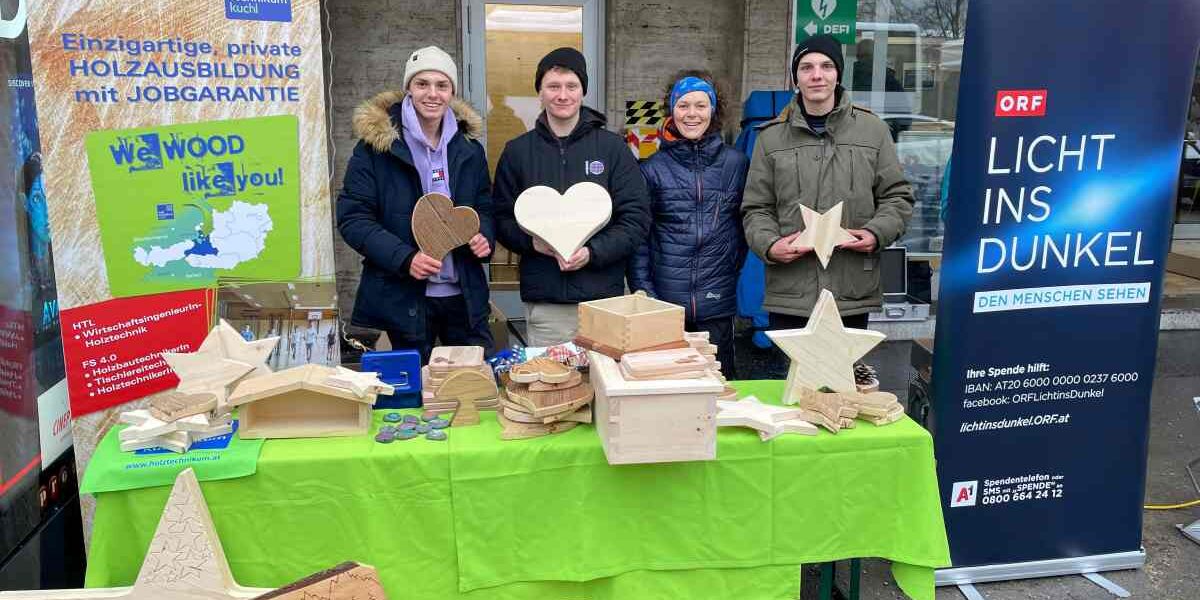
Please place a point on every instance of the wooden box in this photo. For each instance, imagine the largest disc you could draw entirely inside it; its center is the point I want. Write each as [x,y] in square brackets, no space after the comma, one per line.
[653,421]
[630,323]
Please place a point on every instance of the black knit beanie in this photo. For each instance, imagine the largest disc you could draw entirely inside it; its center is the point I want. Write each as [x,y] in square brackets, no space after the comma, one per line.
[825,44]
[567,58]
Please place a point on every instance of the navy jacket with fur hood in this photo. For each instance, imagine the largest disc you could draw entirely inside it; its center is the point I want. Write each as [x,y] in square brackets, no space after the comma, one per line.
[374,215]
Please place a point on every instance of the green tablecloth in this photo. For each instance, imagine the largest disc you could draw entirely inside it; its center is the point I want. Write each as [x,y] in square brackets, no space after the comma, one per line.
[479,518]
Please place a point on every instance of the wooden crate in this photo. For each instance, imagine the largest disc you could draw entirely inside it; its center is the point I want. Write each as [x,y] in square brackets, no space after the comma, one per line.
[653,421]
[630,323]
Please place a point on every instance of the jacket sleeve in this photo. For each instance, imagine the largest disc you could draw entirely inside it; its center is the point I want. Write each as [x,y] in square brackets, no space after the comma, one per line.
[483,202]
[760,220]
[357,205]
[742,247]
[504,198]
[641,267]
[893,196]
[630,222]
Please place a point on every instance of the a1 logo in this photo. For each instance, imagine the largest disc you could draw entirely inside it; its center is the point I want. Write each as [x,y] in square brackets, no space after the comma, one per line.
[963,493]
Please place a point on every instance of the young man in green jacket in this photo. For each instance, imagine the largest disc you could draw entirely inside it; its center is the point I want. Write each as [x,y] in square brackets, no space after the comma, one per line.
[820,151]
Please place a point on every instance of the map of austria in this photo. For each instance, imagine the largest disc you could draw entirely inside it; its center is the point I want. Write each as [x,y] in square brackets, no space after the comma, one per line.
[239,235]
[211,200]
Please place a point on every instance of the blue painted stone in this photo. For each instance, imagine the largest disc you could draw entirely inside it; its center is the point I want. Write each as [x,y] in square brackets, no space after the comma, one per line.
[428,416]
[384,438]
[411,419]
[436,435]
[392,417]
[407,426]
[423,428]
[406,434]
[439,423]
[387,429]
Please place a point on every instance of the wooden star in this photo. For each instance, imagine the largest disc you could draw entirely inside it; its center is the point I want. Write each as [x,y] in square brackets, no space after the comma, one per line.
[235,347]
[206,371]
[823,352]
[767,419]
[185,560]
[822,232]
[362,384]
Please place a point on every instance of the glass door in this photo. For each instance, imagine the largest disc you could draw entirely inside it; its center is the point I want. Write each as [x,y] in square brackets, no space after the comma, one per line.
[503,42]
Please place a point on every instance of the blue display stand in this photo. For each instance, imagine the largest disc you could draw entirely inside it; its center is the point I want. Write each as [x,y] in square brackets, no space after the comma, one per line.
[402,370]
[760,108]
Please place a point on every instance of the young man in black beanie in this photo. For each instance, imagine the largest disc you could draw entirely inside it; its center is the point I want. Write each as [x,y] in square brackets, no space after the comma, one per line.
[567,145]
[819,152]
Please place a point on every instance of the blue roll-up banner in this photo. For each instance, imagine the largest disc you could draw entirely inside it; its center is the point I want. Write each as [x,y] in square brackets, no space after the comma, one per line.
[1070,128]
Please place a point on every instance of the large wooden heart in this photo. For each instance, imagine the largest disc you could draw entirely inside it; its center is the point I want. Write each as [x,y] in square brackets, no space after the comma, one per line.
[440,227]
[565,221]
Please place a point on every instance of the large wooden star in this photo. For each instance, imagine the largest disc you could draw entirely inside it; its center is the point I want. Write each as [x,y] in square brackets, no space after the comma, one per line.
[822,232]
[185,560]
[823,352]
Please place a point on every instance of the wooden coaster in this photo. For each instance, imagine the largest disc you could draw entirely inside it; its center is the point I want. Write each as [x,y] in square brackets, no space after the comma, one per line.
[616,354]
[662,362]
[173,405]
[520,431]
[541,369]
[448,358]
[439,226]
[545,404]
[541,386]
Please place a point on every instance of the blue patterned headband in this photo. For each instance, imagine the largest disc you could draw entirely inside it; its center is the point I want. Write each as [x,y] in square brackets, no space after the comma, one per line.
[692,84]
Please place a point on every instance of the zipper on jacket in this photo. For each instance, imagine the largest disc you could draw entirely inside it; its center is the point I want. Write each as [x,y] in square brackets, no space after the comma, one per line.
[699,211]
[562,168]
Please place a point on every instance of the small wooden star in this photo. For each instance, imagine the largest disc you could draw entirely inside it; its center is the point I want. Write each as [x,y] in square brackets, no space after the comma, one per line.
[822,232]
[362,384]
[767,419]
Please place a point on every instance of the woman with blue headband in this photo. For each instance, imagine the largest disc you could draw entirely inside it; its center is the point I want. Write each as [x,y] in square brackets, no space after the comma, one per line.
[696,245]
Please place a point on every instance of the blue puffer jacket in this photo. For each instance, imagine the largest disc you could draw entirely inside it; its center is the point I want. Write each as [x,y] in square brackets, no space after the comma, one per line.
[696,244]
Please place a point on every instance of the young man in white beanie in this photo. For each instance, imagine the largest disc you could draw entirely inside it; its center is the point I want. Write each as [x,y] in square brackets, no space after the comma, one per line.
[413,142]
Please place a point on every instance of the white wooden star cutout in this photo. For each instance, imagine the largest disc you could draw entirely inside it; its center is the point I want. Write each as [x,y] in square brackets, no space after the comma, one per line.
[206,370]
[362,384]
[770,421]
[823,352]
[822,232]
[236,347]
[185,560]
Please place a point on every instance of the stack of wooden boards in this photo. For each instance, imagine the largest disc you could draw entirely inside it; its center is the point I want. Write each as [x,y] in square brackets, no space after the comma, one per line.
[457,373]
[542,397]
[175,420]
[837,410]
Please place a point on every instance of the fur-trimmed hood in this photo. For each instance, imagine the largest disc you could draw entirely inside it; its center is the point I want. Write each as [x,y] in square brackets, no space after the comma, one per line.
[373,121]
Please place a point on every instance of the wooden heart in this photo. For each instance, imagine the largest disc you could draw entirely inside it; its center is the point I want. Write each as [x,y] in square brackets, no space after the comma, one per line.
[564,221]
[440,227]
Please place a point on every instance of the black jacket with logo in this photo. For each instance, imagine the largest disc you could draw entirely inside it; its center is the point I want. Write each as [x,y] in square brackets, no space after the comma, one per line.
[589,153]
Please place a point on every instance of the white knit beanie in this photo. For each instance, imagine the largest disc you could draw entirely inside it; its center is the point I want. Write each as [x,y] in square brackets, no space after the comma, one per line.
[431,58]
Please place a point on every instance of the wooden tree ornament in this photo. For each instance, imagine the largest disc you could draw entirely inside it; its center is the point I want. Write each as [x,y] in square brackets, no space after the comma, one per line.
[822,232]
[465,388]
[823,352]
[440,227]
[564,221]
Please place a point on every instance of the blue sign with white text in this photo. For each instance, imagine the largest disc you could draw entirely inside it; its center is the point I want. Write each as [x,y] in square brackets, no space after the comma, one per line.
[1068,139]
[259,10]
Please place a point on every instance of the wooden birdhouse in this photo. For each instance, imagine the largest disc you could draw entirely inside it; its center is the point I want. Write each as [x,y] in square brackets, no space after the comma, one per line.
[630,323]
[306,401]
[655,420]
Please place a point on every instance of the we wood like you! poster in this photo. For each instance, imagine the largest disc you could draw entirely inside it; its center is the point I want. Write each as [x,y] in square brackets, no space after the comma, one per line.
[180,206]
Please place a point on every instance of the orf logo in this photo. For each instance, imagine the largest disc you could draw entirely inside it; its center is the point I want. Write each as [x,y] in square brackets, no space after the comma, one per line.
[1021,103]
[963,493]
